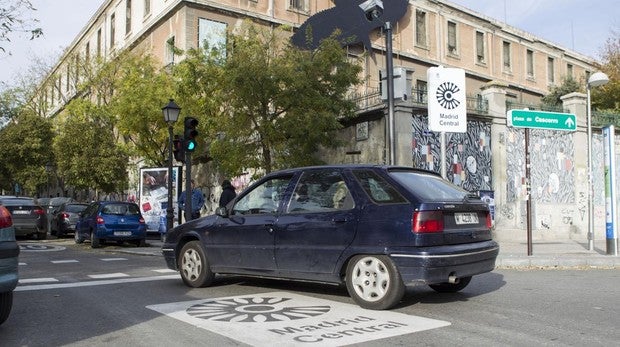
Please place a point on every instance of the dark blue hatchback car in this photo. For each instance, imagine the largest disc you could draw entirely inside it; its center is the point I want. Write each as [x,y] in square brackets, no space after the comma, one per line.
[374,228]
[111,221]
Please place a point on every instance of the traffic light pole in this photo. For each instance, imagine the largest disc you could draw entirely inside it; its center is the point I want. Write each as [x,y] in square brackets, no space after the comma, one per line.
[188,186]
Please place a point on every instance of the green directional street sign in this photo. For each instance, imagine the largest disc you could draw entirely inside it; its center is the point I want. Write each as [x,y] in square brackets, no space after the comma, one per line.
[541,120]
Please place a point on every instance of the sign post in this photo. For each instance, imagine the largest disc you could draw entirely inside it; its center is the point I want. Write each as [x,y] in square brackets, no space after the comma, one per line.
[539,120]
[611,228]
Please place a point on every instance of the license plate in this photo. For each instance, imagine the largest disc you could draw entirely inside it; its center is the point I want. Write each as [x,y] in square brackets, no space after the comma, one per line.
[21,212]
[122,233]
[466,218]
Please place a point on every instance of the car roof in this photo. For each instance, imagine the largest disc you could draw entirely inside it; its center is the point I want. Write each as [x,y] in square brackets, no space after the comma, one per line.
[352,166]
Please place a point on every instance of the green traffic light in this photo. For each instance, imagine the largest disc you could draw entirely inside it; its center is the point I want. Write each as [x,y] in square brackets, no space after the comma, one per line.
[190,146]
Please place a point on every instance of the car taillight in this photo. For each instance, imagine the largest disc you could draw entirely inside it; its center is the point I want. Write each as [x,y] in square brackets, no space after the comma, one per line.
[141,221]
[427,222]
[100,220]
[5,218]
[64,215]
[489,220]
[38,211]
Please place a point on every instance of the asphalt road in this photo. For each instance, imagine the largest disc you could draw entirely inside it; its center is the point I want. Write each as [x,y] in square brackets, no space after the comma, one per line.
[73,295]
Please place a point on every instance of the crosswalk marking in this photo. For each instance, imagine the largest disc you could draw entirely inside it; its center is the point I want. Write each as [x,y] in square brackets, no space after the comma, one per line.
[37,280]
[112,275]
[94,283]
[64,261]
[163,271]
[113,259]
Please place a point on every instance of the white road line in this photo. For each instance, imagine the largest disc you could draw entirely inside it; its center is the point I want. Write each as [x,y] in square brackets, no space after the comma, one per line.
[94,283]
[22,264]
[37,280]
[112,275]
[113,259]
[64,261]
[163,271]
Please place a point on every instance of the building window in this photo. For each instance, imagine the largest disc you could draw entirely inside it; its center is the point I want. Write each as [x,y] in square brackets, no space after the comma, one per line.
[87,53]
[550,72]
[452,42]
[569,70]
[421,91]
[99,42]
[529,57]
[147,7]
[112,29]
[480,47]
[420,28]
[297,5]
[506,55]
[212,37]
[68,79]
[127,17]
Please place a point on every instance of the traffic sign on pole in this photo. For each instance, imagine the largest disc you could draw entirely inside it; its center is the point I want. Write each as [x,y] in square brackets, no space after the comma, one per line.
[541,120]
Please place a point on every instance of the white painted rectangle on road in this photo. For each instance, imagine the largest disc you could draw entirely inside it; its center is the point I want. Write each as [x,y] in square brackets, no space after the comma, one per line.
[37,280]
[291,319]
[112,275]
[64,261]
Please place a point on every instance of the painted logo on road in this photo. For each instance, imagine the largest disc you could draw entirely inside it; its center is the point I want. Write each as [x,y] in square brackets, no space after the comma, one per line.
[39,247]
[293,319]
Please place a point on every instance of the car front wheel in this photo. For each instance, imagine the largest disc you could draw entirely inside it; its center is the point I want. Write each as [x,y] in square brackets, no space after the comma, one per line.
[78,238]
[374,282]
[193,265]
[451,287]
[94,240]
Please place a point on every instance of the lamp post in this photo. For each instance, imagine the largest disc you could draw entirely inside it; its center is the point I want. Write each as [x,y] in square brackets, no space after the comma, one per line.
[597,79]
[171,115]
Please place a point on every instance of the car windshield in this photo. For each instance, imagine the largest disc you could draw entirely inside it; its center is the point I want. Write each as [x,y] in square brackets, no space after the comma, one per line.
[429,187]
[120,209]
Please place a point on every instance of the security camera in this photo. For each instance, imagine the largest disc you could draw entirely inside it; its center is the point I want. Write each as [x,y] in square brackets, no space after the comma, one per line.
[373,9]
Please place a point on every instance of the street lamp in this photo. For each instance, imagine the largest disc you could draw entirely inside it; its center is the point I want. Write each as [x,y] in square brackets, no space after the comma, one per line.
[596,79]
[171,115]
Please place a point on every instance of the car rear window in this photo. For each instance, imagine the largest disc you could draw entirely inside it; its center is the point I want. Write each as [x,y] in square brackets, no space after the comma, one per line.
[429,187]
[120,209]
[378,189]
[17,202]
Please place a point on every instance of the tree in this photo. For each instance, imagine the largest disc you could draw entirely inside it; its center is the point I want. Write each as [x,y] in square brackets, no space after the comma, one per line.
[13,20]
[87,151]
[25,148]
[607,97]
[569,85]
[275,105]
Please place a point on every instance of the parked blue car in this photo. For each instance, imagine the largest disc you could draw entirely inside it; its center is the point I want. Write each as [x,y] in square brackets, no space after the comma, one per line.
[9,251]
[111,221]
[374,228]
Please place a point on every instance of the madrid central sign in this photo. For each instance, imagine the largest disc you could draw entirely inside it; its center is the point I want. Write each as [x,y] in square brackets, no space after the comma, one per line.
[541,120]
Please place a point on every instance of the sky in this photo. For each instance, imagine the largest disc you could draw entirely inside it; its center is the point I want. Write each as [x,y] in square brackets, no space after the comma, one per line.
[579,25]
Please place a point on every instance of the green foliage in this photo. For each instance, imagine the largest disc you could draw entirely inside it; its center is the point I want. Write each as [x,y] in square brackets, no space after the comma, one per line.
[569,85]
[25,148]
[270,105]
[88,155]
[607,97]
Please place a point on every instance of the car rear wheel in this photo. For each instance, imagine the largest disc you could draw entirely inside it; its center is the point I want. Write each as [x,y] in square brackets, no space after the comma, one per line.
[94,240]
[193,265]
[374,282]
[6,302]
[451,287]
[141,243]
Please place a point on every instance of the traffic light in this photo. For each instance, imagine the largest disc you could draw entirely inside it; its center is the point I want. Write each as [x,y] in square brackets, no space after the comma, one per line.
[178,149]
[189,136]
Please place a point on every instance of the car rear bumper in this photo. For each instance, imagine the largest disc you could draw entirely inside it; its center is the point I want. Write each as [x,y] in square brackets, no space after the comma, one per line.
[430,265]
[9,252]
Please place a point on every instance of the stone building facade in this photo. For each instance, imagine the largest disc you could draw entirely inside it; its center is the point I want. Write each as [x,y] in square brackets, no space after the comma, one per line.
[505,68]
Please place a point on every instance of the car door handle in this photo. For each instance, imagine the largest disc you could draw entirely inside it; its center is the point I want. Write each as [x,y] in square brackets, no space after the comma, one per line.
[339,220]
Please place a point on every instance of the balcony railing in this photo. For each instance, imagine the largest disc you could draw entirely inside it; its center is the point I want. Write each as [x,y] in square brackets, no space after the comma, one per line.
[540,107]
[419,97]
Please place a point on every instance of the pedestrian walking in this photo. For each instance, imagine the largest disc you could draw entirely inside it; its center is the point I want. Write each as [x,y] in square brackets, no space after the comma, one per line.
[198,201]
[228,193]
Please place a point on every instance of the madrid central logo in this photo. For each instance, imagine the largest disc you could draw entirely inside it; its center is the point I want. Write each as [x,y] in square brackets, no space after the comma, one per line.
[445,95]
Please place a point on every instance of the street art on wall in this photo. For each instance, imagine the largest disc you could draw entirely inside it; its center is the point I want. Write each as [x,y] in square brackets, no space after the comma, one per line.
[468,155]
[552,169]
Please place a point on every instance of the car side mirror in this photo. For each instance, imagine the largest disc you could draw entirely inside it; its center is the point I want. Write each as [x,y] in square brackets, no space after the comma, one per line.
[222,212]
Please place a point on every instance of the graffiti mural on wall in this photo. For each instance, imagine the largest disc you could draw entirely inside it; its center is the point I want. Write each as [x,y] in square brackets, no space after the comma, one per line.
[468,154]
[552,169]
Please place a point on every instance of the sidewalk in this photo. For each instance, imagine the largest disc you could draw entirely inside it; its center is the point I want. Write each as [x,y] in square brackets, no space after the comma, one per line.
[555,254]
[558,254]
